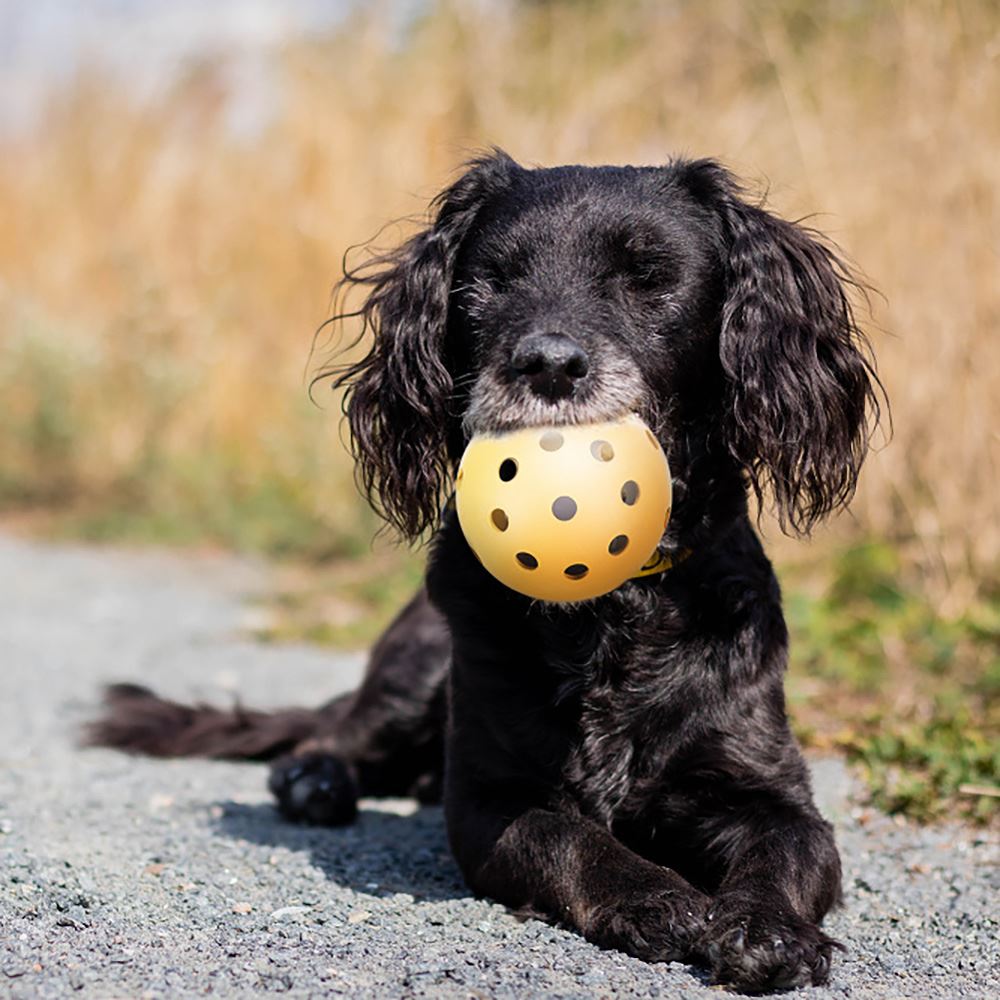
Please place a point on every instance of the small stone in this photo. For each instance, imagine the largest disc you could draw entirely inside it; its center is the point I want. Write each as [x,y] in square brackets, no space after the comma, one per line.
[289,911]
[242,908]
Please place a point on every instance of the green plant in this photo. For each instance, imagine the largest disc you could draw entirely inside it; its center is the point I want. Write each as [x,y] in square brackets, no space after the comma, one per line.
[912,697]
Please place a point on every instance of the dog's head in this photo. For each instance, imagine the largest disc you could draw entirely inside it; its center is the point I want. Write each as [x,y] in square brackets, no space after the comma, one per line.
[577,294]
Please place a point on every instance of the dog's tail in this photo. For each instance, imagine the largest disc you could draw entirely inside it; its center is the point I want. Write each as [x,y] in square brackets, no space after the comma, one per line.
[138,721]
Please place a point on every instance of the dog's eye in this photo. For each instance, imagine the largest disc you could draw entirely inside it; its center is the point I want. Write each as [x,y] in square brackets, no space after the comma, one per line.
[647,268]
[638,262]
[642,277]
[498,274]
[648,275]
[493,276]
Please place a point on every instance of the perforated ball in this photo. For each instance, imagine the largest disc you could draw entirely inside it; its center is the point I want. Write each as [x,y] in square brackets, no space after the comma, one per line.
[564,513]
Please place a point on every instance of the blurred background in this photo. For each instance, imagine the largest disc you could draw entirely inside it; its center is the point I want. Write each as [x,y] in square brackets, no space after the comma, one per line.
[179,182]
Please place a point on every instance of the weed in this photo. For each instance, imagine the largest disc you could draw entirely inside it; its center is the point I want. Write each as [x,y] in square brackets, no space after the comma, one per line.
[912,697]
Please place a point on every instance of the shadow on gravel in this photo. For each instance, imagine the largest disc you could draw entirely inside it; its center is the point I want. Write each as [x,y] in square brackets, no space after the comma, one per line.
[381,854]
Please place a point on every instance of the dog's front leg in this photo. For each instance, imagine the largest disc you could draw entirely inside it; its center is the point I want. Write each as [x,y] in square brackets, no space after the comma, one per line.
[762,929]
[562,866]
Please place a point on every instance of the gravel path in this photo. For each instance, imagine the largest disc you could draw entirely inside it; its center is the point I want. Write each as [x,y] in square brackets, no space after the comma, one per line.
[136,878]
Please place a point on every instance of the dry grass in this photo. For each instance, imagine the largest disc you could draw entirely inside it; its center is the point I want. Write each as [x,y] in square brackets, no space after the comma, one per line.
[160,278]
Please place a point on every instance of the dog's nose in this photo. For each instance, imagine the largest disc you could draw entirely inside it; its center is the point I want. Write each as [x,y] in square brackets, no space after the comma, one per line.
[551,363]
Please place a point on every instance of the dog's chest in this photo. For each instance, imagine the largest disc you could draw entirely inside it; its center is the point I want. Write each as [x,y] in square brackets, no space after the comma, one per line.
[630,727]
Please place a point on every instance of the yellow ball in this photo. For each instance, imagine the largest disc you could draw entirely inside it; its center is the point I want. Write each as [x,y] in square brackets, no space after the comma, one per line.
[564,513]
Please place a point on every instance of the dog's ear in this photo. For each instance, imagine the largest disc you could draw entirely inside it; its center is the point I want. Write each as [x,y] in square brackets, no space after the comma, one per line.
[802,392]
[397,396]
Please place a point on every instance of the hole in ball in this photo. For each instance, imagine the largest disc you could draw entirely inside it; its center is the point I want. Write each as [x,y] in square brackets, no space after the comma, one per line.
[652,440]
[499,518]
[602,451]
[618,544]
[577,571]
[527,560]
[630,491]
[508,469]
[564,508]
[551,441]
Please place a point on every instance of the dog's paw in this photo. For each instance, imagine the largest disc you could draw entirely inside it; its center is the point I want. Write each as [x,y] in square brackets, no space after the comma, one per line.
[755,948]
[315,788]
[661,926]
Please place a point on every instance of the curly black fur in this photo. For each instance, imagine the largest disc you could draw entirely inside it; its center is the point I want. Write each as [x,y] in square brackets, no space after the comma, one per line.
[397,396]
[622,765]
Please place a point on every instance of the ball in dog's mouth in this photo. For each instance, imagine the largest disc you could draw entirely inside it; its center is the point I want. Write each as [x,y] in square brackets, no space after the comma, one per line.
[565,513]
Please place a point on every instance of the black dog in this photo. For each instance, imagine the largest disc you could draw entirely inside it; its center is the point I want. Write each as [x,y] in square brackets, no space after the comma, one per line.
[622,765]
